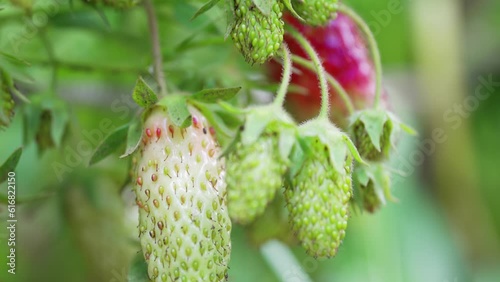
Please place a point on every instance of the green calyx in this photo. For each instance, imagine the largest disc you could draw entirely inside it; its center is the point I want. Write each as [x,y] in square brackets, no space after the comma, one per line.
[338,144]
[316,12]
[374,131]
[372,187]
[256,35]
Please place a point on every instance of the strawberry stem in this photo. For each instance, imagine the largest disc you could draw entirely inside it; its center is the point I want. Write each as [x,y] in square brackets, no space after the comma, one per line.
[320,70]
[155,42]
[285,80]
[331,80]
[375,53]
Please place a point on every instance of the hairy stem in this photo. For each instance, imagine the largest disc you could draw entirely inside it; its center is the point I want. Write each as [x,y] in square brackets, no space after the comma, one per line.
[331,80]
[285,79]
[156,48]
[375,53]
[320,70]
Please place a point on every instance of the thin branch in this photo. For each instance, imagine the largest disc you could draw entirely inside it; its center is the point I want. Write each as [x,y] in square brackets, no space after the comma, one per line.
[333,82]
[155,41]
[320,70]
[285,79]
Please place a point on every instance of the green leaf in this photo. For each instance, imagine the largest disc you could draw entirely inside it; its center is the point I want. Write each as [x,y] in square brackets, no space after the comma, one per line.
[408,129]
[230,18]
[15,67]
[100,11]
[134,135]
[143,95]
[286,141]
[214,120]
[374,125]
[31,120]
[352,148]
[59,122]
[362,175]
[297,158]
[10,164]
[256,122]
[14,59]
[232,109]
[306,143]
[60,118]
[338,152]
[138,271]
[232,145]
[209,5]
[381,183]
[231,120]
[215,95]
[265,6]
[177,110]
[185,44]
[110,144]
[288,5]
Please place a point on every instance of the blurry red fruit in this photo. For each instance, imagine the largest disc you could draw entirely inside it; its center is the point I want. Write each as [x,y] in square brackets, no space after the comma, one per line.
[345,56]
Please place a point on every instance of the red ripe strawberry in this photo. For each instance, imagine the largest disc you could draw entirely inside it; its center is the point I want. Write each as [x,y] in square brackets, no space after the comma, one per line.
[345,56]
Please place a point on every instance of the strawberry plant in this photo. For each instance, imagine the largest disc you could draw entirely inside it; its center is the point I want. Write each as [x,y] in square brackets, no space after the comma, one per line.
[204,154]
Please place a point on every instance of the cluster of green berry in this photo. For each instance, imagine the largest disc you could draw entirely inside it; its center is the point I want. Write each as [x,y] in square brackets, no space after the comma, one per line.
[258,29]
[189,191]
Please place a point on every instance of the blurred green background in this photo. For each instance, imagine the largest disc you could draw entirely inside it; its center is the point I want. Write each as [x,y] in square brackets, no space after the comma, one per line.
[78,224]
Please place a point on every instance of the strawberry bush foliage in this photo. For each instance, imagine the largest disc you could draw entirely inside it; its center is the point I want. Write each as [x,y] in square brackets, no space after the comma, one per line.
[206,152]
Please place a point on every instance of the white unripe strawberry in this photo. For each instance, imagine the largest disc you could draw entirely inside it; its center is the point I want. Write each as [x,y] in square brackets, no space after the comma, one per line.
[184,226]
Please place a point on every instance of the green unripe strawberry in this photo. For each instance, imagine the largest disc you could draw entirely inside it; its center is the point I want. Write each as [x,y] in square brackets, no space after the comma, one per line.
[181,193]
[255,167]
[256,35]
[319,189]
[318,202]
[254,174]
[365,144]
[316,12]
